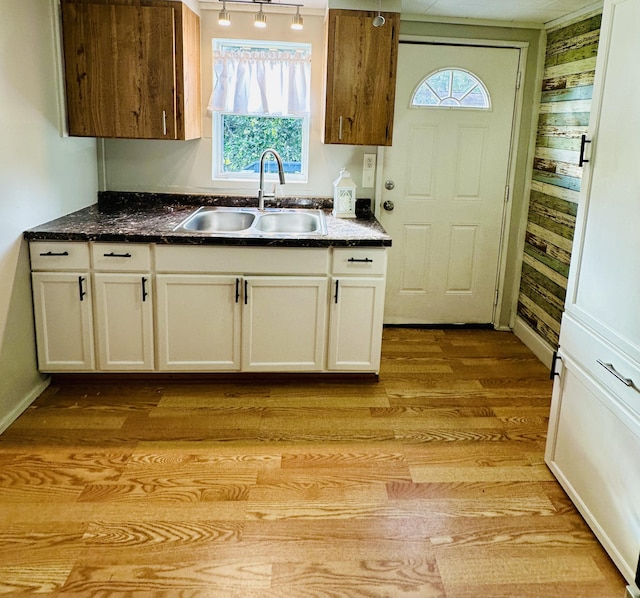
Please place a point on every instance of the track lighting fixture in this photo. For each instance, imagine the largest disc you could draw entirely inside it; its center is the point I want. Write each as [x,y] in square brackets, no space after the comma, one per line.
[297,21]
[224,18]
[260,19]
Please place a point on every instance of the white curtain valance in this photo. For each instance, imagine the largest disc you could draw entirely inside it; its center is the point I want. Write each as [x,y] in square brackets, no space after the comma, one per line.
[273,82]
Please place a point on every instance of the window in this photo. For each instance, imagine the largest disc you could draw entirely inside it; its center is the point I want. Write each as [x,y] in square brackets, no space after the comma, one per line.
[260,99]
[452,88]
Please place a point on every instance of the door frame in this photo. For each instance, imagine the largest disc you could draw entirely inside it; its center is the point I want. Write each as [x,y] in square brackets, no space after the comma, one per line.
[523,46]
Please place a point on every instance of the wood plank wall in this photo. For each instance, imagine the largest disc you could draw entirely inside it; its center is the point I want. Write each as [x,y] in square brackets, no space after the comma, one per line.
[567,89]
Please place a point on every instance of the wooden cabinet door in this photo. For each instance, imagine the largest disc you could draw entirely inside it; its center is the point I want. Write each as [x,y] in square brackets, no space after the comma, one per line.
[63,318]
[355,328]
[198,322]
[119,70]
[361,77]
[284,323]
[124,321]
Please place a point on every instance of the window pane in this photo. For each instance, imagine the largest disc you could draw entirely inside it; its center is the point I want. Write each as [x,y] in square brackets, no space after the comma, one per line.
[260,100]
[440,83]
[244,138]
[452,88]
[425,97]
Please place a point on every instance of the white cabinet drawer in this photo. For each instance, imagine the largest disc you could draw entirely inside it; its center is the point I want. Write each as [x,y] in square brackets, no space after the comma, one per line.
[613,369]
[121,257]
[59,255]
[359,260]
[242,260]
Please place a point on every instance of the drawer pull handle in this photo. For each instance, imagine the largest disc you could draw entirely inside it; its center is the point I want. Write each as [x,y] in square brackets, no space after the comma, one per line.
[54,254]
[112,254]
[612,370]
[365,260]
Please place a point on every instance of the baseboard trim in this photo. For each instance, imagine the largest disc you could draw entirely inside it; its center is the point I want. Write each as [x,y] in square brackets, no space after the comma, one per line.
[15,413]
[540,348]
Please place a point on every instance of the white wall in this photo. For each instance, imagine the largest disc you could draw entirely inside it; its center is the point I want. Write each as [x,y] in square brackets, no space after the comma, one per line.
[42,176]
[185,166]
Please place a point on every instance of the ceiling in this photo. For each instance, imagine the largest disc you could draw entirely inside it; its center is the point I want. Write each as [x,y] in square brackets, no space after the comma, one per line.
[532,11]
[521,11]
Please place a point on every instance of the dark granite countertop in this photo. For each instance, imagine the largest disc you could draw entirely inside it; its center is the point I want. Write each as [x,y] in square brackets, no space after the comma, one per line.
[152,218]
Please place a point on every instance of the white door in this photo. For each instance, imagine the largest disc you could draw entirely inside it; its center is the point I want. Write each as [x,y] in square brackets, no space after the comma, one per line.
[449,166]
[124,321]
[198,322]
[284,323]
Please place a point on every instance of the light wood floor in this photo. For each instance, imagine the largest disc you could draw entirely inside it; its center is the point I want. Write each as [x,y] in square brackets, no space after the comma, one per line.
[429,482]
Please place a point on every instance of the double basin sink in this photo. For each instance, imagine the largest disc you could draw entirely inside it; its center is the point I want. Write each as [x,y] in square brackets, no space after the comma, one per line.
[272,221]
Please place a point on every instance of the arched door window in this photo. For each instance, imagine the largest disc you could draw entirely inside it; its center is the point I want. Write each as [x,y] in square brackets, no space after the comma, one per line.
[451,88]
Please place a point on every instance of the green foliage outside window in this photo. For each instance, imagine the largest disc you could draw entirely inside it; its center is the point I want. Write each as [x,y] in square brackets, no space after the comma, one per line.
[246,137]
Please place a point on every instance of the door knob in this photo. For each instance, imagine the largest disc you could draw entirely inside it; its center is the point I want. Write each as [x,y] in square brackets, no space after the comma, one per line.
[388,205]
[388,185]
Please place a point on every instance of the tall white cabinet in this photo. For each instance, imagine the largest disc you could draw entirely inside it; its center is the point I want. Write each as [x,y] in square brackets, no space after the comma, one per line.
[593,445]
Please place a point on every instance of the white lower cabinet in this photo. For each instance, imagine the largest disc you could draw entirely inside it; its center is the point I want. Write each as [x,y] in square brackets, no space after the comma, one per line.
[64,321]
[593,450]
[198,322]
[355,330]
[124,321]
[284,323]
[357,308]
[119,307]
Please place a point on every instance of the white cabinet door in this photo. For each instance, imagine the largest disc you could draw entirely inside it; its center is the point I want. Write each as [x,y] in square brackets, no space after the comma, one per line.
[63,318]
[124,321]
[593,451]
[198,322]
[355,328]
[284,323]
[604,285]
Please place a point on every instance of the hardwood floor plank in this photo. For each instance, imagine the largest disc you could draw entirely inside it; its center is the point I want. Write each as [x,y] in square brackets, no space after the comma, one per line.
[552,568]
[415,577]
[177,577]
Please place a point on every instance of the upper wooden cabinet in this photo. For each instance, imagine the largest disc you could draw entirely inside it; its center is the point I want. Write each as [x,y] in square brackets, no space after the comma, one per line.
[132,69]
[361,77]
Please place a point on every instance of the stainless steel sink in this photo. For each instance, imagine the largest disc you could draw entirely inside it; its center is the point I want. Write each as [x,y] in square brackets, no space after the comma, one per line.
[218,220]
[289,222]
[249,221]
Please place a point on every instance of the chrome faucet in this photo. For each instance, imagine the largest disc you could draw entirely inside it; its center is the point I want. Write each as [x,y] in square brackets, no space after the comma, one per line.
[261,193]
